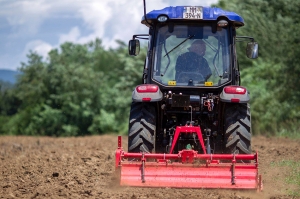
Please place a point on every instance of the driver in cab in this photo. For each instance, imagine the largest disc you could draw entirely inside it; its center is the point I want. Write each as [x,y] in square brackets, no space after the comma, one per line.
[192,63]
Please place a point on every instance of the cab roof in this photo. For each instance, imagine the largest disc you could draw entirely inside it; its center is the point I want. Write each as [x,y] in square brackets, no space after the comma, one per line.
[208,14]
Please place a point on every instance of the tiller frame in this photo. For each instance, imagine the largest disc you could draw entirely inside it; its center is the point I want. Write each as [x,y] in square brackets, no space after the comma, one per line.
[188,169]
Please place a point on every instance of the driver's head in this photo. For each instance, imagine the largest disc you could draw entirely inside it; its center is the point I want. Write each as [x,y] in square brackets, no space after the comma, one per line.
[198,47]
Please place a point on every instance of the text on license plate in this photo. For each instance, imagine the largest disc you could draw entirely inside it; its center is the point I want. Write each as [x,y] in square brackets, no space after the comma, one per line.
[195,12]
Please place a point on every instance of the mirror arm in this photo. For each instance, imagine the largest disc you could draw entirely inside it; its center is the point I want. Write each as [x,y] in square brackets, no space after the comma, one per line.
[141,36]
[244,38]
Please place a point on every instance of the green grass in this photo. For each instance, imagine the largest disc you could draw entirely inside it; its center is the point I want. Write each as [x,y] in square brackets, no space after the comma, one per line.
[294,134]
[289,129]
[293,175]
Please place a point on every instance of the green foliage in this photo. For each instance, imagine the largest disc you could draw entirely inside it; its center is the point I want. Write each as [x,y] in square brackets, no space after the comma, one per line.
[79,90]
[273,78]
[8,105]
[5,85]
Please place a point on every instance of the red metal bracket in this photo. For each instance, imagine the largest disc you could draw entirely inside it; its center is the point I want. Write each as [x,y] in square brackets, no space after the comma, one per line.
[187,156]
[188,129]
[119,142]
[119,152]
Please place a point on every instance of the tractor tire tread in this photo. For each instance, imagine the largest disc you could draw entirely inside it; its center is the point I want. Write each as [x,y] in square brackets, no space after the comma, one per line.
[142,127]
[238,129]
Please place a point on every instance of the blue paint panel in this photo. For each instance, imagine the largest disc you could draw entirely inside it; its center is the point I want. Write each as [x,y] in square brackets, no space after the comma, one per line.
[208,14]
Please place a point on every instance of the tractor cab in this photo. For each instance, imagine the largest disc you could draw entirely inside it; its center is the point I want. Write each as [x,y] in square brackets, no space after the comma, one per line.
[174,60]
[178,63]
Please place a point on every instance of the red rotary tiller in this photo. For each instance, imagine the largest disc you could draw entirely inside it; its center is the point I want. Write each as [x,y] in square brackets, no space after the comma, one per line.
[188,169]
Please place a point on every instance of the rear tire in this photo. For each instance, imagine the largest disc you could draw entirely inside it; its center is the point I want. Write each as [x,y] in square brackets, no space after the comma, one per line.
[142,127]
[237,129]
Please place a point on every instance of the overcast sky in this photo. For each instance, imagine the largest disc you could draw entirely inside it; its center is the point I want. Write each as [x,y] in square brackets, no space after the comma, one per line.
[41,25]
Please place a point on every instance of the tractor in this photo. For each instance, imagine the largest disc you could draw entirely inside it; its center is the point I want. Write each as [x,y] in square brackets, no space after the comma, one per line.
[190,120]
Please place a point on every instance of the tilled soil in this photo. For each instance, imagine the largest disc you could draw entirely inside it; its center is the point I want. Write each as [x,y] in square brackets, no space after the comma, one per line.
[83,167]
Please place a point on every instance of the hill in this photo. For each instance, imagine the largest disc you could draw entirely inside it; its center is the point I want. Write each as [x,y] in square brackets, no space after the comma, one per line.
[8,75]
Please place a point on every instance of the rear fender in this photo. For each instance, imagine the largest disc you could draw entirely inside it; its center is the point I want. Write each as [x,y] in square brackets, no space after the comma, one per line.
[235,94]
[147,93]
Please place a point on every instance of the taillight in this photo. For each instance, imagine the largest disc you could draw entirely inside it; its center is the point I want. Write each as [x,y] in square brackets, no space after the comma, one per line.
[147,88]
[235,100]
[235,90]
[146,99]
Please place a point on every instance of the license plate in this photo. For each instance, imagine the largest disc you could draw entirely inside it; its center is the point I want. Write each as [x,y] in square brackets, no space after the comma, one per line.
[195,12]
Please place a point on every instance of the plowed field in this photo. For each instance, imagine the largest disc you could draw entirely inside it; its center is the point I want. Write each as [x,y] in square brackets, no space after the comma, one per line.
[83,167]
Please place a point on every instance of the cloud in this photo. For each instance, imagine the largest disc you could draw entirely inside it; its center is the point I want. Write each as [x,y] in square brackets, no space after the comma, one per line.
[41,25]
[96,14]
[38,46]
[109,20]
[72,36]
[25,16]
[114,19]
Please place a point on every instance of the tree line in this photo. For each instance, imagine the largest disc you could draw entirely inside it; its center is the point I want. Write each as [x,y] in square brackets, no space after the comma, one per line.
[79,90]
[84,89]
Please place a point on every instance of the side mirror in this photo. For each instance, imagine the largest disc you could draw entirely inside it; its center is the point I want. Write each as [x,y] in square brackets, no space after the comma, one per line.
[252,50]
[134,47]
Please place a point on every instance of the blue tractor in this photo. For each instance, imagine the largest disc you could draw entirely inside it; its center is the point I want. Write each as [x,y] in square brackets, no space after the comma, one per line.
[190,101]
